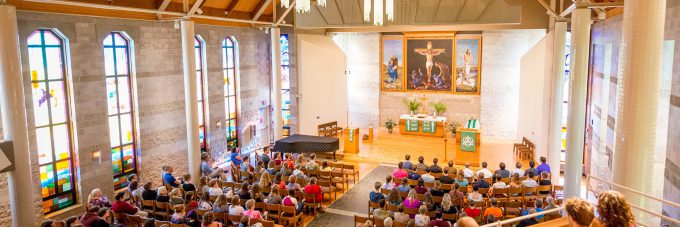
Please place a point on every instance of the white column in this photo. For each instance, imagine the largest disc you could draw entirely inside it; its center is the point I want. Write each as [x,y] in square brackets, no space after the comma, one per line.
[639,90]
[555,138]
[191,99]
[14,119]
[277,117]
[576,120]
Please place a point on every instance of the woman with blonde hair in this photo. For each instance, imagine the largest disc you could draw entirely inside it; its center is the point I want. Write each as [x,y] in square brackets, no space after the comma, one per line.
[176,197]
[411,201]
[221,204]
[614,210]
[178,216]
[265,180]
[97,198]
[447,205]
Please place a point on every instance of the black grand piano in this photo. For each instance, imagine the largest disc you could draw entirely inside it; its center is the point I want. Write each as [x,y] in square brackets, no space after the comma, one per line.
[307,144]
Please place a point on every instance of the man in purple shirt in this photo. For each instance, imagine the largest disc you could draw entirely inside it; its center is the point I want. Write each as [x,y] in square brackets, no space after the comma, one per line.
[543,167]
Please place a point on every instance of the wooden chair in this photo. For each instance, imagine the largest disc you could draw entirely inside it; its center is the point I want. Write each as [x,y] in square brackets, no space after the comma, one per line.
[391,207]
[161,223]
[200,212]
[429,184]
[135,220]
[500,194]
[505,180]
[221,216]
[449,217]
[514,194]
[541,189]
[310,201]
[326,183]
[274,211]
[290,215]
[399,224]
[410,211]
[372,206]
[527,153]
[385,191]
[339,177]
[412,183]
[437,199]
[176,225]
[512,209]
[59,224]
[529,193]
[234,218]
[120,217]
[378,222]
[361,220]
[350,169]
[403,195]
[149,207]
[515,146]
[264,223]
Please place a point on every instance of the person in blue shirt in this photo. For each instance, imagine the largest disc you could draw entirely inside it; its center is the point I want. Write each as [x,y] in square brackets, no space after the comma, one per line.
[206,169]
[407,164]
[531,168]
[265,155]
[169,179]
[403,187]
[375,195]
[235,157]
[413,175]
[543,167]
[538,204]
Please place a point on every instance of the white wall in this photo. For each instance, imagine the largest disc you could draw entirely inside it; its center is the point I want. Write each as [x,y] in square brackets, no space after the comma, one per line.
[535,88]
[322,84]
[501,62]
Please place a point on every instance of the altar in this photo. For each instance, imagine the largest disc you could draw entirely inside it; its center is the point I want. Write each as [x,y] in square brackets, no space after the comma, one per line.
[422,125]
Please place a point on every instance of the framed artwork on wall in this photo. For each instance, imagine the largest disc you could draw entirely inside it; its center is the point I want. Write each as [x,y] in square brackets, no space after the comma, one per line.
[392,63]
[468,71]
[428,63]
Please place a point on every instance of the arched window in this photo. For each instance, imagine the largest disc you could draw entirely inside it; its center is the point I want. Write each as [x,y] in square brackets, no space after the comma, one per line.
[200,58]
[51,111]
[120,111]
[285,84]
[229,64]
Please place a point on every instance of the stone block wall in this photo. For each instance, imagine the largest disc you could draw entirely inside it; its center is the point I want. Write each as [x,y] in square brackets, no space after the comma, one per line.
[671,190]
[158,91]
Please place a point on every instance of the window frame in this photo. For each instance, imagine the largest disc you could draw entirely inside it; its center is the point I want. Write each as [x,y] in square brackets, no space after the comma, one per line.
[128,52]
[285,90]
[199,46]
[229,43]
[68,123]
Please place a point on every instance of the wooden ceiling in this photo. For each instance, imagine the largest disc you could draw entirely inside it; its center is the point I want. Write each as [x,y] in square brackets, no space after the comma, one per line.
[219,12]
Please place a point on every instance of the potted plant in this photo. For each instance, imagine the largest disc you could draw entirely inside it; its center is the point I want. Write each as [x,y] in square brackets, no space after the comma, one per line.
[389,124]
[412,105]
[453,127]
[439,108]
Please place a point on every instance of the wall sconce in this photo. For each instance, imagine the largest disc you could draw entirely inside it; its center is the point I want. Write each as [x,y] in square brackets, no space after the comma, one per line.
[96,156]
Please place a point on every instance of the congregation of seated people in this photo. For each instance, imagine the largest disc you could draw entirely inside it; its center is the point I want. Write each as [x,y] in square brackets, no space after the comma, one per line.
[243,195]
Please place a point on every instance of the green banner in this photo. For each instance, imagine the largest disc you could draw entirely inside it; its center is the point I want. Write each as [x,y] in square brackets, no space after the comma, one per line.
[429,126]
[412,125]
[467,141]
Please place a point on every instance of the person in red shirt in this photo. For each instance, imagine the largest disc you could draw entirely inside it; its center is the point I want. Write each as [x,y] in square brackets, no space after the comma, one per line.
[472,211]
[123,206]
[439,222]
[89,218]
[314,189]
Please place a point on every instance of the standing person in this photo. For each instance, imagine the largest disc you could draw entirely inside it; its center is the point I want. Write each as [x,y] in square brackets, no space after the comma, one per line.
[580,212]
[543,167]
[614,210]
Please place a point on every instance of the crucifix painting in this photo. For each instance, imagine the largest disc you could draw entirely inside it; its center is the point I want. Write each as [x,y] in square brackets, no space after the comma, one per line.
[429,64]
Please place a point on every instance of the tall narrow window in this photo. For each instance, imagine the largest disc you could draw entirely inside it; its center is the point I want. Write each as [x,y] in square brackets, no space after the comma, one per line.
[229,65]
[285,84]
[199,44]
[565,96]
[119,97]
[52,119]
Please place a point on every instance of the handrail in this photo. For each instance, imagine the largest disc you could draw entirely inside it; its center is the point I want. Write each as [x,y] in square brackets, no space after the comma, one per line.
[513,220]
[634,191]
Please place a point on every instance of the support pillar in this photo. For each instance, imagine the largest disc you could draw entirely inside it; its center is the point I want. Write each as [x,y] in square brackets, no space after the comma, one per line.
[639,90]
[14,119]
[277,116]
[576,120]
[191,99]
[555,138]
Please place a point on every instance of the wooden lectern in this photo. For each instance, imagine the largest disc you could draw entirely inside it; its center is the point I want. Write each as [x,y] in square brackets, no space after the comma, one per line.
[464,156]
[351,140]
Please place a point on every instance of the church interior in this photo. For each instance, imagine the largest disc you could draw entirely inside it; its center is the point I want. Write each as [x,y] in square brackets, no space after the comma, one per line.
[339,113]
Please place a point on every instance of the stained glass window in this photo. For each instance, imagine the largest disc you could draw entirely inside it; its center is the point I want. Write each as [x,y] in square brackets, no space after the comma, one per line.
[229,66]
[200,57]
[285,84]
[565,96]
[51,113]
[120,111]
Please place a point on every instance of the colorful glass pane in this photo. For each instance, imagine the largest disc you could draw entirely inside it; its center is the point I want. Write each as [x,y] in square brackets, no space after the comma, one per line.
[126,128]
[114,131]
[47,180]
[115,159]
[64,175]
[128,159]
[57,102]
[40,104]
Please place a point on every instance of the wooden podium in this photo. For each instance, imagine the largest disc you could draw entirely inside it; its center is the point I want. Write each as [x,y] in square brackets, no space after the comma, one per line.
[351,140]
[462,156]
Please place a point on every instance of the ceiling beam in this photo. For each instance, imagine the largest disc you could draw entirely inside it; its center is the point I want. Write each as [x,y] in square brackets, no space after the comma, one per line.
[231,7]
[319,13]
[460,11]
[285,13]
[598,4]
[342,18]
[162,7]
[439,3]
[486,9]
[195,7]
[261,6]
[550,10]
[568,10]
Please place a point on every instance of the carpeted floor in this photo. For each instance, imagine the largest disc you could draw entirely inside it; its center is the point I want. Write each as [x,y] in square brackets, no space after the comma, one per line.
[353,201]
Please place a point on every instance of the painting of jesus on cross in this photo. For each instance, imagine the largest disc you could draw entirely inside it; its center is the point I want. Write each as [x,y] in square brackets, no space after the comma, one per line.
[429,63]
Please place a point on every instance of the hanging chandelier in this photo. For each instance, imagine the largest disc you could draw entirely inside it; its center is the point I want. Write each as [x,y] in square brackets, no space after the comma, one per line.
[302,6]
[379,11]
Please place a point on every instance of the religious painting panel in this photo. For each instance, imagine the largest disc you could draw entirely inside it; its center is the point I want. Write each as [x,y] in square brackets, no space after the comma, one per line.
[468,64]
[429,61]
[392,63]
